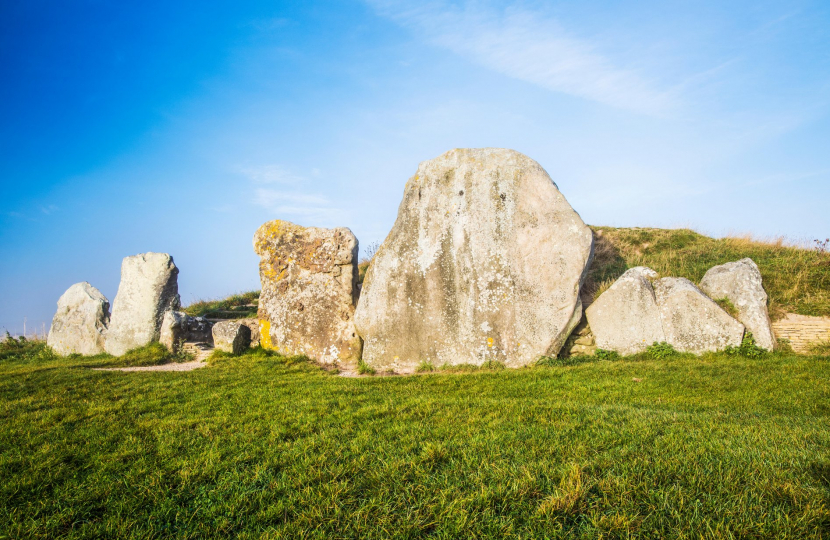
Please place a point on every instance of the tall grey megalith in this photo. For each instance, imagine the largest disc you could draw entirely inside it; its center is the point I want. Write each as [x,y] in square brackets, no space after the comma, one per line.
[148,288]
[484,262]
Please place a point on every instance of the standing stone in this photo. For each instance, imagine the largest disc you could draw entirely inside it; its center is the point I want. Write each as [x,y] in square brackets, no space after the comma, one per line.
[231,336]
[484,262]
[309,291]
[80,324]
[178,328]
[693,322]
[625,318]
[149,287]
[740,283]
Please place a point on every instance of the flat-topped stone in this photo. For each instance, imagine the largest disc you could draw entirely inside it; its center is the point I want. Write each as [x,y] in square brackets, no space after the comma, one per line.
[309,291]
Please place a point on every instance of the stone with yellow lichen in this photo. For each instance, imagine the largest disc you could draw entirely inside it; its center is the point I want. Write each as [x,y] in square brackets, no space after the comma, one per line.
[309,291]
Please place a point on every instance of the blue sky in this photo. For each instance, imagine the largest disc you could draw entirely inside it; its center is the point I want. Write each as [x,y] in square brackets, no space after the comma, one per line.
[180,127]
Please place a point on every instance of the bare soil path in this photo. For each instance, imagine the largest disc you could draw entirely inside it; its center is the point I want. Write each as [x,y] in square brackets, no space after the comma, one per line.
[200,352]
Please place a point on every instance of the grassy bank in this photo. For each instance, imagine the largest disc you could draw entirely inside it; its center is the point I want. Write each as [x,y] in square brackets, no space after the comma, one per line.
[236,306]
[796,280]
[266,446]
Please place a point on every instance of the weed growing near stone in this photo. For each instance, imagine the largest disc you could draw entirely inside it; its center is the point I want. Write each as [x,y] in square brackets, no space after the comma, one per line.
[660,351]
[365,369]
[748,348]
[603,354]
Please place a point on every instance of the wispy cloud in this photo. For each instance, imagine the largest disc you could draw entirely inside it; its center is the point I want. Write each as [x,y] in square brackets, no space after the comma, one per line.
[295,204]
[291,199]
[269,174]
[48,209]
[528,46]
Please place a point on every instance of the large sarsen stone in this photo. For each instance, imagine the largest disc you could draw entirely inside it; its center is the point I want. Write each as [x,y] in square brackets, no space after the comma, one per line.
[740,283]
[484,262]
[149,287]
[80,324]
[309,291]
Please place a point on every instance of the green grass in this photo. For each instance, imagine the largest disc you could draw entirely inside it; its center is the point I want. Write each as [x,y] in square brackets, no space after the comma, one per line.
[153,354]
[796,280]
[262,446]
[237,306]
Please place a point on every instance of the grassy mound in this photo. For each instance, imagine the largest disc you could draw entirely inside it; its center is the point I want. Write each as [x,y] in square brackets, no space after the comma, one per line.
[262,446]
[237,306]
[796,280]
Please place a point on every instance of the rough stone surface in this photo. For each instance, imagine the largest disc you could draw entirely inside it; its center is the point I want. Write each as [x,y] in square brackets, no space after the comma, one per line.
[625,318]
[178,328]
[309,291]
[80,324]
[253,324]
[580,342]
[148,288]
[692,321]
[231,336]
[484,262]
[740,283]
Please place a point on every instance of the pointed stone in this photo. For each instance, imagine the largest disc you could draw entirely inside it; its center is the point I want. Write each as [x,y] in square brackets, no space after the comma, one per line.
[740,282]
[625,318]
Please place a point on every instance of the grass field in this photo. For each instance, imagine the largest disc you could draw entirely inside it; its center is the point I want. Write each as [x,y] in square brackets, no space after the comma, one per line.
[265,446]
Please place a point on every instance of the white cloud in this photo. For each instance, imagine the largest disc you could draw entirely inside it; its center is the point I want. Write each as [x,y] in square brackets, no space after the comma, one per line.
[269,174]
[296,204]
[528,46]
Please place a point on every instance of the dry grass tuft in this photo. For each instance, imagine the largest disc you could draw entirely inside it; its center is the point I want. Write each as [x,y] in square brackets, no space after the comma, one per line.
[569,496]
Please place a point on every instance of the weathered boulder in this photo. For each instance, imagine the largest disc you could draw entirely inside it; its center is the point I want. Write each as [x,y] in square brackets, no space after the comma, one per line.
[484,262]
[253,324]
[178,328]
[80,324]
[693,322]
[309,291]
[149,287]
[231,336]
[625,318]
[740,283]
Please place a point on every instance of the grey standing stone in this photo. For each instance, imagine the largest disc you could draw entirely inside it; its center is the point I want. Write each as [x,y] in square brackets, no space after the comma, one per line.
[309,291]
[80,324]
[692,321]
[740,282]
[149,287]
[231,336]
[484,262]
[625,318]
